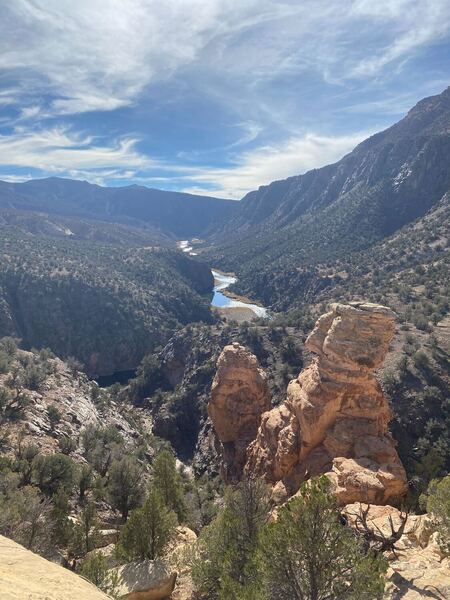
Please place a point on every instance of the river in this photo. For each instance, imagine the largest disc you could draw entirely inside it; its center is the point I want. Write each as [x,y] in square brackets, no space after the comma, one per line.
[220,300]
[221,283]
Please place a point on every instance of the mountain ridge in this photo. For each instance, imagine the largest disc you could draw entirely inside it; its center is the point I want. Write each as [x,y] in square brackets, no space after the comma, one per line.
[386,182]
[174,213]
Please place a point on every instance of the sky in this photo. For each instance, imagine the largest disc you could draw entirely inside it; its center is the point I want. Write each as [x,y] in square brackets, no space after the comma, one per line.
[215,97]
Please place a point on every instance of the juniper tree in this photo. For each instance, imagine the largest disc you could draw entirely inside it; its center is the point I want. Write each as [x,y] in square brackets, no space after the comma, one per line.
[167,481]
[148,529]
[308,554]
[124,486]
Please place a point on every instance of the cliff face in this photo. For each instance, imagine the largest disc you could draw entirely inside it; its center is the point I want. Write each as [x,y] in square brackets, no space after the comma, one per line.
[71,393]
[239,395]
[335,417]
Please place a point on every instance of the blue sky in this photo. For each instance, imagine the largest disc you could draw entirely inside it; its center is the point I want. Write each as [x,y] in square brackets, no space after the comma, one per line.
[207,96]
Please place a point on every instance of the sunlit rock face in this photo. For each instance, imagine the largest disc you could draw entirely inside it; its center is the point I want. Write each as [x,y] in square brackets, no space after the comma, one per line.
[335,417]
[239,396]
[27,576]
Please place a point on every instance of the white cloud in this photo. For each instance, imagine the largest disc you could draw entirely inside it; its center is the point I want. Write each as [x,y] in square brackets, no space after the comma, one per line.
[92,55]
[264,165]
[414,25]
[60,150]
[11,178]
[88,55]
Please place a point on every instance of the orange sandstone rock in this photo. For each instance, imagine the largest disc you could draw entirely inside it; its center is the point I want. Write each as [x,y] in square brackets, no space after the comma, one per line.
[239,395]
[335,417]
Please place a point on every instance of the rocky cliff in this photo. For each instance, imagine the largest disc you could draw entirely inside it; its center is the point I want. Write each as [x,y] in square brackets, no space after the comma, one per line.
[334,419]
[239,396]
[76,403]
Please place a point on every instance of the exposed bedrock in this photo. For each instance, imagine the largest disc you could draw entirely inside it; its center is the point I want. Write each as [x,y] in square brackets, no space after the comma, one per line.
[334,419]
[239,396]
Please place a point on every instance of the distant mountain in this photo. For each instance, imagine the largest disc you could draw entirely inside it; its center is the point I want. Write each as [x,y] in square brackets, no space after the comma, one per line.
[278,233]
[173,213]
[80,229]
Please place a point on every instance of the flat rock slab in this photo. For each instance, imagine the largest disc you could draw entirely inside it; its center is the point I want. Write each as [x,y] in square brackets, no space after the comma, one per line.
[27,576]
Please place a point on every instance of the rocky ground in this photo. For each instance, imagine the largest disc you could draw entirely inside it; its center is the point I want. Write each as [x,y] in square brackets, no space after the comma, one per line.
[79,402]
[25,575]
[417,567]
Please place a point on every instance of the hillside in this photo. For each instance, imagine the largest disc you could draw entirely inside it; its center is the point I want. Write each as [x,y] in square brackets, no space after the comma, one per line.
[279,233]
[78,228]
[173,213]
[104,304]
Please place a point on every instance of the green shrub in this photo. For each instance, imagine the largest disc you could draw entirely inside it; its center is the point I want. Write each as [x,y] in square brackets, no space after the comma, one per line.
[323,558]
[438,505]
[54,415]
[54,471]
[148,530]
[95,568]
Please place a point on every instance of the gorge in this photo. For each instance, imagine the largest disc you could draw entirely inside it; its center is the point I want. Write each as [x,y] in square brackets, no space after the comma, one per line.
[298,335]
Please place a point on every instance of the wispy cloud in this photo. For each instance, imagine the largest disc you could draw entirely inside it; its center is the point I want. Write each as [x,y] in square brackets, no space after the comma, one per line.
[259,66]
[90,57]
[87,56]
[264,165]
[60,150]
[412,24]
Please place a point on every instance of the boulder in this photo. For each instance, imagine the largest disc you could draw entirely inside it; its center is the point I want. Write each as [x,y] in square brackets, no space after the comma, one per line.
[335,417]
[145,580]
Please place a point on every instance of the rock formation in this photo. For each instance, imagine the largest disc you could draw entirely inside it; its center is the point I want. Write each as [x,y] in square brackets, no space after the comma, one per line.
[239,395]
[161,578]
[335,418]
[27,576]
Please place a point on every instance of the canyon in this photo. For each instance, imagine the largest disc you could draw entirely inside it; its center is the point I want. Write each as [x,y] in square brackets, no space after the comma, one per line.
[328,384]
